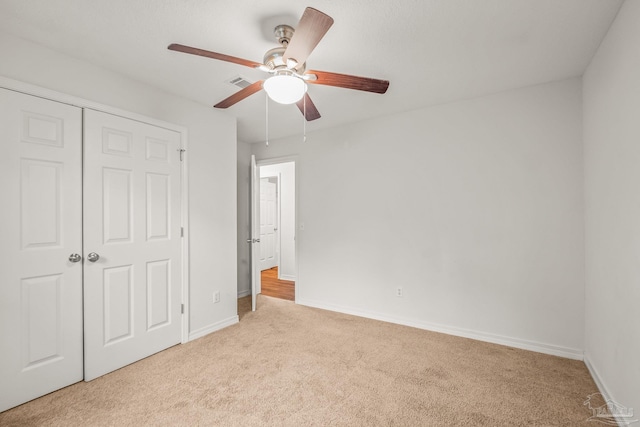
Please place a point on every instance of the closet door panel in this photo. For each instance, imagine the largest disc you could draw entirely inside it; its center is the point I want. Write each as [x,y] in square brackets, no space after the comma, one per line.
[41,219]
[132,222]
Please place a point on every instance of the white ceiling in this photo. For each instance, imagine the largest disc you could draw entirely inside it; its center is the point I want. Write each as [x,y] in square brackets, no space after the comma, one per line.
[432,51]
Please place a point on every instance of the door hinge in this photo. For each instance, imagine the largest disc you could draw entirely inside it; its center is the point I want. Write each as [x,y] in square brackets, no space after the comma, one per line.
[181,151]
[181,231]
[182,308]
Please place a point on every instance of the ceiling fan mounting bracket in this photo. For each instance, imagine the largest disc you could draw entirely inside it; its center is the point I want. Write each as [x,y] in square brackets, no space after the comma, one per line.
[283,34]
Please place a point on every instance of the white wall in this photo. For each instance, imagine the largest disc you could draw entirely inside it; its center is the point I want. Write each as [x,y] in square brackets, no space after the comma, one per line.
[474,208]
[287,199]
[211,156]
[244,219]
[612,189]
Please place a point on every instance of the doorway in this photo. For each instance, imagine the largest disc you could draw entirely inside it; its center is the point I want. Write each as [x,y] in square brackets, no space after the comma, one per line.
[274,263]
[269,258]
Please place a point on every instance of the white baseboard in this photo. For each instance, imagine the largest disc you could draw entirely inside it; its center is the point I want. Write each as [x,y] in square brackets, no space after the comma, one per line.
[244,293]
[602,388]
[554,350]
[596,378]
[199,333]
[288,277]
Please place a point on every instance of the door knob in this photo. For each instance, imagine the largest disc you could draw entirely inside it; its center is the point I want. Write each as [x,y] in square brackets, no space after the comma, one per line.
[75,258]
[253,240]
[93,257]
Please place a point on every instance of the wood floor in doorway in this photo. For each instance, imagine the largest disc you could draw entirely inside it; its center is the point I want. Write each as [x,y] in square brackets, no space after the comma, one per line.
[274,287]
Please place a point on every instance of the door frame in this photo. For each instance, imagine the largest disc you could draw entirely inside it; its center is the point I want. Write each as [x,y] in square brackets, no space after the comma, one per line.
[275,161]
[41,92]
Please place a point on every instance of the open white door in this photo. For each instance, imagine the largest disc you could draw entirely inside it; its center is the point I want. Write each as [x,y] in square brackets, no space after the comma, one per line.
[132,286]
[41,247]
[255,232]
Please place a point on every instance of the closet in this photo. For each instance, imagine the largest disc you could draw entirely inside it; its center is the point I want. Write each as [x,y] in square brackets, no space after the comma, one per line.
[91,276]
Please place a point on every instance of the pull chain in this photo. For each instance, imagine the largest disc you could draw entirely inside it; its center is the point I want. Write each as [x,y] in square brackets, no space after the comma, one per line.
[266,120]
[304,118]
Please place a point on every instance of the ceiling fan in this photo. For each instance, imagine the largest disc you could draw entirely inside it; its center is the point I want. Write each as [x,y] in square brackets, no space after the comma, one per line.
[287,66]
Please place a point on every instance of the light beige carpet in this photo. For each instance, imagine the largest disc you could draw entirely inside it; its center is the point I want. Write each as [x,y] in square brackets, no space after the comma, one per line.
[289,365]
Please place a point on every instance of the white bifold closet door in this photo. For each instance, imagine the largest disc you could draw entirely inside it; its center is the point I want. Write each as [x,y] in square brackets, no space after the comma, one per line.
[41,217]
[90,262]
[132,284]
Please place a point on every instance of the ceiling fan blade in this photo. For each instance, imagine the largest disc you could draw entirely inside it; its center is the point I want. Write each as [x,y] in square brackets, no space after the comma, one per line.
[308,108]
[214,55]
[312,27]
[240,95]
[349,82]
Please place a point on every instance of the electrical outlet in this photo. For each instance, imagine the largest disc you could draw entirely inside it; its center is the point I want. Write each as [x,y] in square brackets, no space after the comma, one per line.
[216,297]
[399,292]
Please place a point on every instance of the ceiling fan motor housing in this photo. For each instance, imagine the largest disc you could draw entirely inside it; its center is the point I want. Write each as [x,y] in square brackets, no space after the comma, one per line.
[274,60]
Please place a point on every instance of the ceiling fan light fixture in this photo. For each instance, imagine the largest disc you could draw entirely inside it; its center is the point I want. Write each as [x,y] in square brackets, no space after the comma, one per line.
[285,88]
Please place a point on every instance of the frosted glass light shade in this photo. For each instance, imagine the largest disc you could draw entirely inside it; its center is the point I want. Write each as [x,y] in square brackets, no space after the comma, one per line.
[285,89]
